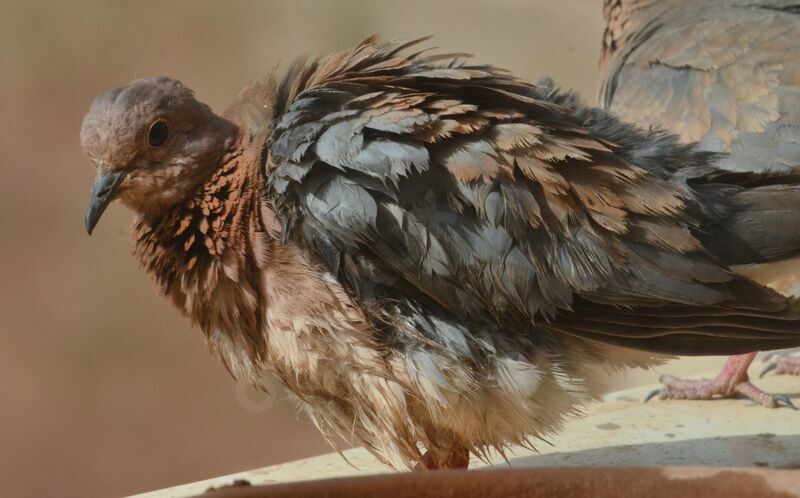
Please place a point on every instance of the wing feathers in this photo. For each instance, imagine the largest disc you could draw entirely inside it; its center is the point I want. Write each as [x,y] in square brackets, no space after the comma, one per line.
[472,193]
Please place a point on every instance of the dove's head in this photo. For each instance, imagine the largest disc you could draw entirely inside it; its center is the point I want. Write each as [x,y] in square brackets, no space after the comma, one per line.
[152,143]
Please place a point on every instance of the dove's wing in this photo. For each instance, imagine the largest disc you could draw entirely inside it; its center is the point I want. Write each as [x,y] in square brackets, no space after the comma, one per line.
[724,75]
[463,192]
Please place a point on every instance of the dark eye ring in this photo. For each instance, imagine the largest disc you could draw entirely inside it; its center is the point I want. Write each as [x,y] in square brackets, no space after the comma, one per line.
[158,133]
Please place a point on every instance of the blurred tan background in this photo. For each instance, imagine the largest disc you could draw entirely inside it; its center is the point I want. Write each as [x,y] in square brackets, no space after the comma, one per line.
[104,389]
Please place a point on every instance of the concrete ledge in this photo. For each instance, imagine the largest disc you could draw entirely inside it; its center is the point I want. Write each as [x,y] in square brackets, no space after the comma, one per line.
[562,482]
[620,432]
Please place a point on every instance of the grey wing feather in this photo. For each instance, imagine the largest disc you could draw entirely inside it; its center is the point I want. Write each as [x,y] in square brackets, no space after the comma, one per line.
[724,74]
[494,203]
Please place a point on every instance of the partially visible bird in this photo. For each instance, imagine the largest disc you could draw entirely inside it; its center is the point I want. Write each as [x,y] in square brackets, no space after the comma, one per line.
[724,74]
[435,258]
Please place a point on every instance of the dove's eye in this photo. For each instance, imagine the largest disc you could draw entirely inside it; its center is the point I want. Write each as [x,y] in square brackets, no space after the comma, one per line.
[158,133]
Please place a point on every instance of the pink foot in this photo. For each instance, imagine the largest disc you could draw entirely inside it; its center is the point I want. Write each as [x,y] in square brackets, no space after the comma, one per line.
[457,459]
[731,382]
[782,363]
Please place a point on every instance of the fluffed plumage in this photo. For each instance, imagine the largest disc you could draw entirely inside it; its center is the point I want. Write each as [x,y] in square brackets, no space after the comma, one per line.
[434,256]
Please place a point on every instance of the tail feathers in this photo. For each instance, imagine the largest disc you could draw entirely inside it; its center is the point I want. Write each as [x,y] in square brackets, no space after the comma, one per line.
[754,319]
[758,220]
[744,219]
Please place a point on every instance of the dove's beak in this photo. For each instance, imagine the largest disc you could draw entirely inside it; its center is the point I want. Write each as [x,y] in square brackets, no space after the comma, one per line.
[104,188]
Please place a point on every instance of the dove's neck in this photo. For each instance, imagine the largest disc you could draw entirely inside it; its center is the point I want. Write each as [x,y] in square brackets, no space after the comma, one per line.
[629,23]
[625,19]
[205,254]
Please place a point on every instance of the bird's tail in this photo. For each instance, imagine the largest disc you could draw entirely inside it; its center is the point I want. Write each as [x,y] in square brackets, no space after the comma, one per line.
[744,219]
[754,319]
[752,217]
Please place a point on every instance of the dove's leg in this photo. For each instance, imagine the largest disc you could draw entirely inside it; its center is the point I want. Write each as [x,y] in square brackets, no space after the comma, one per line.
[782,363]
[731,382]
[457,458]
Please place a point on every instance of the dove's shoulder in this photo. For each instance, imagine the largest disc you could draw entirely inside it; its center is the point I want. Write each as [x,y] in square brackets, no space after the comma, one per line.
[723,75]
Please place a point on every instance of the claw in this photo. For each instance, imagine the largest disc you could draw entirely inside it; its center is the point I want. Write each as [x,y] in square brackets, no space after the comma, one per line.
[731,382]
[652,395]
[782,363]
[782,398]
[768,368]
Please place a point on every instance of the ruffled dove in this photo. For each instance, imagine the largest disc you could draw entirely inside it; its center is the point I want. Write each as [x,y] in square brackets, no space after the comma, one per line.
[436,258]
